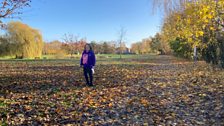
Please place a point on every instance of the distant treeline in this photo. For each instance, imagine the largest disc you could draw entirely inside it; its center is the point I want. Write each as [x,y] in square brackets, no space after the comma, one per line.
[154,44]
[22,41]
[55,47]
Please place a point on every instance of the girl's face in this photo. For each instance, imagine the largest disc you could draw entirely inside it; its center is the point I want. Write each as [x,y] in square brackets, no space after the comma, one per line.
[87,48]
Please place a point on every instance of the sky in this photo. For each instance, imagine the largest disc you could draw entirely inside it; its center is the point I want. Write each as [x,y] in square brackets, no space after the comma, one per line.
[95,20]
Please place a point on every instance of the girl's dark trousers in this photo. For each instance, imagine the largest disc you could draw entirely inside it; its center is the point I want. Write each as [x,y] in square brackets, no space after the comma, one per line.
[88,76]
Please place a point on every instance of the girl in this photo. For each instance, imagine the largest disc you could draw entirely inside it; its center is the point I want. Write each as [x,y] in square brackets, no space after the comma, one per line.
[88,61]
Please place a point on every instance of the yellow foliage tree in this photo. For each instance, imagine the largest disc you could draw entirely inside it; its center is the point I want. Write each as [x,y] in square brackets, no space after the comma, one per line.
[27,41]
[194,21]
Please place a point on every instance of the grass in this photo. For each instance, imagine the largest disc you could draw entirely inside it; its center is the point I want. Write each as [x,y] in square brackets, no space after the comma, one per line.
[125,56]
[6,57]
[2,104]
[3,113]
[99,56]
[101,59]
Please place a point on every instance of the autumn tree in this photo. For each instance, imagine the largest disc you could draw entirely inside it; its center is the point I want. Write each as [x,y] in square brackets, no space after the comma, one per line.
[136,48]
[70,43]
[146,46]
[156,43]
[104,47]
[95,46]
[9,9]
[52,48]
[121,49]
[112,47]
[27,42]
[196,24]
[80,45]
[4,46]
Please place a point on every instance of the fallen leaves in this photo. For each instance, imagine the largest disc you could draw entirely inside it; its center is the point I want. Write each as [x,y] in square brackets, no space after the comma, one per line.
[158,92]
[144,102]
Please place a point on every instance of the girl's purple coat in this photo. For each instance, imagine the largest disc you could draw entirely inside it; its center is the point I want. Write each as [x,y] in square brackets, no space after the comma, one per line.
[91,59]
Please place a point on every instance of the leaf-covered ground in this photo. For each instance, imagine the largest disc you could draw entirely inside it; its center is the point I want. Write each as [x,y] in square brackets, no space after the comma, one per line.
[155,91]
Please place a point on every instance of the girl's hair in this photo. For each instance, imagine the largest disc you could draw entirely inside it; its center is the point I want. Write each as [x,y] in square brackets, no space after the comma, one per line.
[90,47]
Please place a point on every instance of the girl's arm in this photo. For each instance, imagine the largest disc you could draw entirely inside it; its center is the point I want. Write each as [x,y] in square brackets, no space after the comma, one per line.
[94,59]
[81,63]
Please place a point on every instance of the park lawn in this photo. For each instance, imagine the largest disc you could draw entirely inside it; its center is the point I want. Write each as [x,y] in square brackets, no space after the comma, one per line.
[125,58]
[104,57]
[6,57]
[100,56]
[141,90]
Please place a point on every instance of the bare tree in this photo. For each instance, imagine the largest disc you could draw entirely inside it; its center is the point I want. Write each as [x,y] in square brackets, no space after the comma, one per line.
[168,6]
[71,42]
[11,8]
[121,37]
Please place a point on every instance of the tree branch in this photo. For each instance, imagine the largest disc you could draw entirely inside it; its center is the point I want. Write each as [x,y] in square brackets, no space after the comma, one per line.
[11,7]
